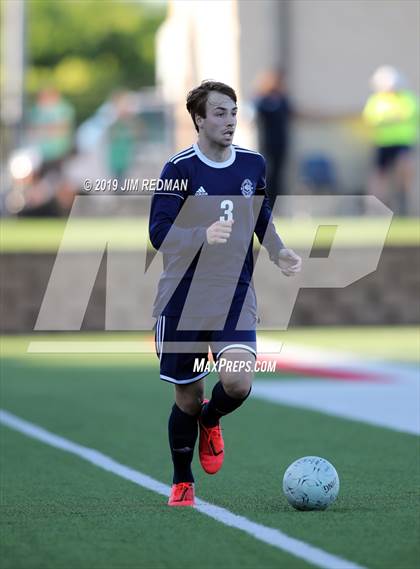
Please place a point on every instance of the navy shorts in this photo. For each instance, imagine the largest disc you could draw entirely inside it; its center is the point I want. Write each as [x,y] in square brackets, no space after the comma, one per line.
[179,350]
[387,155]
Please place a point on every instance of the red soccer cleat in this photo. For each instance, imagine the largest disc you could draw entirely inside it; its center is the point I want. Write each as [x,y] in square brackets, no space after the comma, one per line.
[211,447]
[182,494]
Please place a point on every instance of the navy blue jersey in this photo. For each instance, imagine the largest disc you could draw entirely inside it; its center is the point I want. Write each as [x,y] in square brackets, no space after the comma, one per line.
[215,191]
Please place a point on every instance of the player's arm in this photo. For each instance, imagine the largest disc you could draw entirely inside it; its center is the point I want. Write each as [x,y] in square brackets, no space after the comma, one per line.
[162,217]
[265,230]
[164,235]
[285,258]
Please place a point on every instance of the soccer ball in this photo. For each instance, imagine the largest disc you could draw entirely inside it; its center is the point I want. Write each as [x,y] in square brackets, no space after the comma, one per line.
[311,483]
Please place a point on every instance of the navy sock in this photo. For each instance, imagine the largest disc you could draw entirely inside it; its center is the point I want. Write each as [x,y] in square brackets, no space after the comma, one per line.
[219,405]
[183,431]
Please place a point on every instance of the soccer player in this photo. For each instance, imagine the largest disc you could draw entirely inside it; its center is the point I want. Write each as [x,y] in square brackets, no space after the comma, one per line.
[220,180]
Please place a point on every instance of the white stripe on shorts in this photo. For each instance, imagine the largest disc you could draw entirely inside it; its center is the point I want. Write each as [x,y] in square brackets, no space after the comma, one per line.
[162,336]
[242,346]
[183,381]
[158,326]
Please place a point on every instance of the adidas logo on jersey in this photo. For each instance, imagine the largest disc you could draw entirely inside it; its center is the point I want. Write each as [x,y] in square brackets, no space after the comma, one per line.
[201,192]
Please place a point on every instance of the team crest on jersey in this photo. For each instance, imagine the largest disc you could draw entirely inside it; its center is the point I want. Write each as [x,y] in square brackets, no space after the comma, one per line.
[247,188]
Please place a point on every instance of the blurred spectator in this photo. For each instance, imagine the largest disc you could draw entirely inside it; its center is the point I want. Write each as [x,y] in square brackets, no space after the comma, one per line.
[122,137]
[38,184]
[273,112]
[35,190]
[51,123]
[392,114]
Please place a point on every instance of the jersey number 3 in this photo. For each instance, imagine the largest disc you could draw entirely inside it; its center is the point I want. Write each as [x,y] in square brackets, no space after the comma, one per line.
[227,206]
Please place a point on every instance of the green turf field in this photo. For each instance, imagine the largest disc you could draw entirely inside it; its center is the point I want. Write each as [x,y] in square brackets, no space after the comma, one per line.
[61,512]
[45,235]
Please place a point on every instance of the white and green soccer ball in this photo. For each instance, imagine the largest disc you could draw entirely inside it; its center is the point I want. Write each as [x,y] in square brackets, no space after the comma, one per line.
[311,483]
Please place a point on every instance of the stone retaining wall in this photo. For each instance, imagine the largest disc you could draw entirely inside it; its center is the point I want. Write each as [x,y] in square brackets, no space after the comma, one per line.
[390,295]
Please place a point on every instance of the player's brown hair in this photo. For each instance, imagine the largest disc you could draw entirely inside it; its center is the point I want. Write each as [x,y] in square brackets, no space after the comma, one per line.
[197,98]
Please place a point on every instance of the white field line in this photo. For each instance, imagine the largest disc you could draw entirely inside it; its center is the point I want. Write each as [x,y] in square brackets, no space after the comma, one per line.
[268,535]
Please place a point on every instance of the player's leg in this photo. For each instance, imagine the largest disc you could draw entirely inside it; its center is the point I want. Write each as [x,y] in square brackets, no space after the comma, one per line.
[235,352]
[379,178]
[405,172]
[229,393]
[182,434]
[234,386]
[178,368]
[183,428]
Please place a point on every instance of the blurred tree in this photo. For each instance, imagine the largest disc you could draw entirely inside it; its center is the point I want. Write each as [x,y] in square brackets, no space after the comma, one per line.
[89,48]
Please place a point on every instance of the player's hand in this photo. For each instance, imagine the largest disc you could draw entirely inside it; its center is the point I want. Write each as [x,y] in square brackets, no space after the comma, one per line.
[219,232]
[289,262]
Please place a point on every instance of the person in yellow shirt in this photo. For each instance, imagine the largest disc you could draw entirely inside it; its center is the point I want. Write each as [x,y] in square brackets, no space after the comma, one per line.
[392,113]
